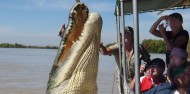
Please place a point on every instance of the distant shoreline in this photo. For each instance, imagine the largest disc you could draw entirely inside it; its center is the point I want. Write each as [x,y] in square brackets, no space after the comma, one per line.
[16,45]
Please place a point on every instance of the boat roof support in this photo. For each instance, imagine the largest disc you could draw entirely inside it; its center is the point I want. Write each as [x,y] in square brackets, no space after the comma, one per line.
[120,87]
[136,46]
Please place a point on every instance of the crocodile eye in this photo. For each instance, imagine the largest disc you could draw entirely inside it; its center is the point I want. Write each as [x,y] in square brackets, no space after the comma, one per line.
[83,6]
[76,8]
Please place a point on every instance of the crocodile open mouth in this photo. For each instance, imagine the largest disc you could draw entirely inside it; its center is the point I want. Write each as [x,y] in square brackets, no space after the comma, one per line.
[76,64]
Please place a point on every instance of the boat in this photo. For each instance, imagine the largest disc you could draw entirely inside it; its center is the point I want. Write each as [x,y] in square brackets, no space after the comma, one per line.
[136,7]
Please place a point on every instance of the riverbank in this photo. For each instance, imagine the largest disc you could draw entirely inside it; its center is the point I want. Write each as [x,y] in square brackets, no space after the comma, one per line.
[16,45]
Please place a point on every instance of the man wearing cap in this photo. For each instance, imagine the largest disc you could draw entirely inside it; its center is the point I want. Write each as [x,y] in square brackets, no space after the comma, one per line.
[178,62]
[114,50]
[155,69]
[177,37]
[130,60]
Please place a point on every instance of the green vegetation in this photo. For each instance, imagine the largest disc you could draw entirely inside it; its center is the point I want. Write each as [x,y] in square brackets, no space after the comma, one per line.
[154,46]
[16,45]
[158,46]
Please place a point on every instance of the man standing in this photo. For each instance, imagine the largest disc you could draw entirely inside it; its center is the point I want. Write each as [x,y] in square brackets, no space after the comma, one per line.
[177,37]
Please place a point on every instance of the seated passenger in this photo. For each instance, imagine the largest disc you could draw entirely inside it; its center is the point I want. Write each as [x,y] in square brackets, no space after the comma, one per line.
[181,84]
[178,61]
[155,75]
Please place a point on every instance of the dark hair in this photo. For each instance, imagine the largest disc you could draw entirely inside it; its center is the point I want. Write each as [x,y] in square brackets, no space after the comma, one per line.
[156,61]
[177,15]
[128,28]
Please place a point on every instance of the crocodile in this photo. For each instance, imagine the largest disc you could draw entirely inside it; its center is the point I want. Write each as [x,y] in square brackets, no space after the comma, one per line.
[75,67]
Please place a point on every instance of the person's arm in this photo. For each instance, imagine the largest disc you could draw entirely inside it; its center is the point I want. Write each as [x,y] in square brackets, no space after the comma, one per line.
[132,84]
[182,88]
[162,30]
[104,50]
[153,29]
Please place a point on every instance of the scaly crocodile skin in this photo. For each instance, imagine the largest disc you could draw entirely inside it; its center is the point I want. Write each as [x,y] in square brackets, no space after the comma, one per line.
[76,65]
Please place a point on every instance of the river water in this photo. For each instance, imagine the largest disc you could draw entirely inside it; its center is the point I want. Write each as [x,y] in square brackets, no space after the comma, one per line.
[26,71]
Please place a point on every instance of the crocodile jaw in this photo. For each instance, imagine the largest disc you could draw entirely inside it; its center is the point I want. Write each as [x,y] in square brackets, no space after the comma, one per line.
[77,72]
[88,41]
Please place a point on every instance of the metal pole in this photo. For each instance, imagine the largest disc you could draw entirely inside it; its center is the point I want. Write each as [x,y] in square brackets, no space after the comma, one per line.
[120,87]
[136,46]
[118,33]
[123,38]
[123,43]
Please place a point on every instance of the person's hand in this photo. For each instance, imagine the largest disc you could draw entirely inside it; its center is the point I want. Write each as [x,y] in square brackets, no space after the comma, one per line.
[166,18]
[162,29]
[102,49]
[142,70]
[101,44]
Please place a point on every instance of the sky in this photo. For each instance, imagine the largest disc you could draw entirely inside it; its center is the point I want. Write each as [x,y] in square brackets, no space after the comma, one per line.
[38,22]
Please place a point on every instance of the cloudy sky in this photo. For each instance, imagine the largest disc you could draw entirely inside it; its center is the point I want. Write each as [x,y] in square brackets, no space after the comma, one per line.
[37,22]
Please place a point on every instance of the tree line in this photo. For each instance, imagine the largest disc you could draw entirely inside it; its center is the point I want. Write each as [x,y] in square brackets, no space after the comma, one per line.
[158,46]
[151,45]
[16,45]
[155,46]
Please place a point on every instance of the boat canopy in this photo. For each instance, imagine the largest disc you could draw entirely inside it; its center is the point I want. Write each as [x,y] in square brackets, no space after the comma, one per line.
[153,5]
